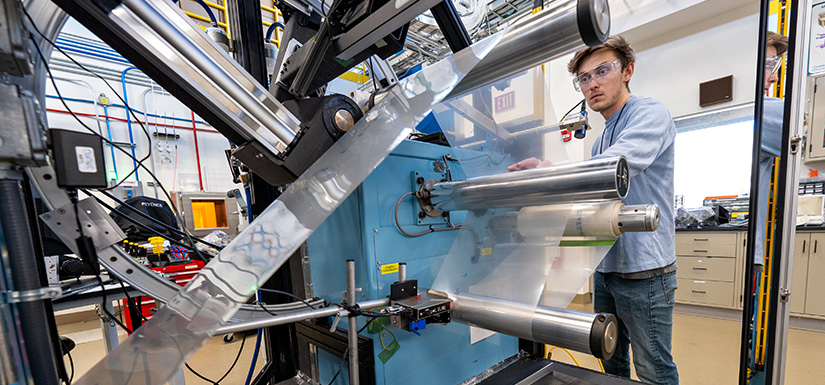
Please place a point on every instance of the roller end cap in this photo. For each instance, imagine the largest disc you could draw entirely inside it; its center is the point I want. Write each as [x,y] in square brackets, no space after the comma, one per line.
[604,335]
[593,18]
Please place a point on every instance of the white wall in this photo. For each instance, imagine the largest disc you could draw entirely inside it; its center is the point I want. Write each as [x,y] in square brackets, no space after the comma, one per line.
[694,43]
[179,159]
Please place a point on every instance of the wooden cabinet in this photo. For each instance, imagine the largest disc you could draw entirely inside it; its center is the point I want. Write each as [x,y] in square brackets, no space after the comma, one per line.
[802,246]
[709,267]
[815,282]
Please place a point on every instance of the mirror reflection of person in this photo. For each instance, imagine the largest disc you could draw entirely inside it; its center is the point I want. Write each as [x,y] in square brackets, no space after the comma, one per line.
[636,281]
[771,146]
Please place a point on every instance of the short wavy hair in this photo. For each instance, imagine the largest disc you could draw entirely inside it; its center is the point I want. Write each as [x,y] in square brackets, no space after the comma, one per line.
[778,41]
[617,44]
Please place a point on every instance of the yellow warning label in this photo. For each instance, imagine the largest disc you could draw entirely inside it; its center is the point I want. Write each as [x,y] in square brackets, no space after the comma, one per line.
[389,269]
[487,251]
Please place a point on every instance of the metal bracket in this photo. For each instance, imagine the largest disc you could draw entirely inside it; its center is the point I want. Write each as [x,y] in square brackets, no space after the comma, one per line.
[784,294]
[31,295]
[795,141]
[96,224]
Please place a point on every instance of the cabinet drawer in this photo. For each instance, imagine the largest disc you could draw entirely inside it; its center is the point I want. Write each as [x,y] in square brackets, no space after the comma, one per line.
[706,268]
[707,249]
[705,243]
[705,292]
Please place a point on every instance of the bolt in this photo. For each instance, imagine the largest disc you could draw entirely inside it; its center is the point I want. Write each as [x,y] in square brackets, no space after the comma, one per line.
[419,180]
[445,214]
[421,214]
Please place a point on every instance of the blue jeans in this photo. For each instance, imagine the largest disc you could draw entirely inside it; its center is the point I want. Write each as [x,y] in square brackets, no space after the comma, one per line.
[644,308]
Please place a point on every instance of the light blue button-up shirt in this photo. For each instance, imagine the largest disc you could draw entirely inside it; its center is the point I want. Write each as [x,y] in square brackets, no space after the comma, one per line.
[773,111]
[644,133]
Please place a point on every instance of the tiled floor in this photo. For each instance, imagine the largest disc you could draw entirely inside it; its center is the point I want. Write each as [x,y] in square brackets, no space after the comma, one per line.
[705,349]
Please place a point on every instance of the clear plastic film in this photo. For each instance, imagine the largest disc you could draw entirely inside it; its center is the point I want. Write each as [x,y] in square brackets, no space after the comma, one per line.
[157,350]
[532,255]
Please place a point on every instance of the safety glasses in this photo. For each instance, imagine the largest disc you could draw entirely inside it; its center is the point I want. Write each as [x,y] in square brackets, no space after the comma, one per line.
[772,64]
[601,73]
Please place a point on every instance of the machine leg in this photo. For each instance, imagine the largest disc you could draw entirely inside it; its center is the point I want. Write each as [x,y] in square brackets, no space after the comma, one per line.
[109,329]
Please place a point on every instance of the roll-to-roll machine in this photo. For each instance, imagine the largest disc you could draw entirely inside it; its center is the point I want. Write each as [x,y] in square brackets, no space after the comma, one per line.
[279,133]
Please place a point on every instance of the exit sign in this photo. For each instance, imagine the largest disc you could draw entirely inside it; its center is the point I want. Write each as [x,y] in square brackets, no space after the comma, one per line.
[506,101]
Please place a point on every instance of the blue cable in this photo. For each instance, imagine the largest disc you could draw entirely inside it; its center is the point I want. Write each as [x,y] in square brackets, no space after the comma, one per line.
[208,11]
[129,120]
[271,29]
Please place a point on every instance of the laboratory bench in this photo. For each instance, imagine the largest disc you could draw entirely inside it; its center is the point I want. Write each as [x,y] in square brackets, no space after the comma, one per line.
[711,268]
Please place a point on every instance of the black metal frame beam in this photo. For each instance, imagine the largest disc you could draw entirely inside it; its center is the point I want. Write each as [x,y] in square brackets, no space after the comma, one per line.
[451,26]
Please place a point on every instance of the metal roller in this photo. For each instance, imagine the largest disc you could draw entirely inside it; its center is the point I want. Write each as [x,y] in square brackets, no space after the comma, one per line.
[562,27]
[609,219]
[591,333]
[591,180]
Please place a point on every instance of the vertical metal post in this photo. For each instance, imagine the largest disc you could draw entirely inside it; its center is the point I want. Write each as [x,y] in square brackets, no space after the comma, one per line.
[109,329]
[402,272]
[352,324]
[790,164]
[178,378]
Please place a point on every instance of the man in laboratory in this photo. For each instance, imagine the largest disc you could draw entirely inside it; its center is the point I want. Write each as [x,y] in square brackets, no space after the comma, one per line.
[636,280]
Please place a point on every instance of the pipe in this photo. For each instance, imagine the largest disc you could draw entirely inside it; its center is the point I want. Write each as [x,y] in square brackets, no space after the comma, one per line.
[402,272]
[32,314]
[108,130]
[610,219]
[254,107]
[94,95]
[107,117]
[135,110]
[132,144]
[591,180]
[352,325]
[591,333]
[563,26]
[297,316]
[197,152]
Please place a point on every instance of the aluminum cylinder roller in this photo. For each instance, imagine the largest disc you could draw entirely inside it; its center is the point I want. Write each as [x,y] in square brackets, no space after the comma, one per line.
[587,181]
[560,28]
[609,219]
[591,333]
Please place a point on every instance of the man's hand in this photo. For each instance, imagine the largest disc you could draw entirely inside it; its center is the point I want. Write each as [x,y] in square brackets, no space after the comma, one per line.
[529,163]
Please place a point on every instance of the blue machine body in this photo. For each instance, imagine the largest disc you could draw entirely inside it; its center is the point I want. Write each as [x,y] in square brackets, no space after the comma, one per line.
[363,228]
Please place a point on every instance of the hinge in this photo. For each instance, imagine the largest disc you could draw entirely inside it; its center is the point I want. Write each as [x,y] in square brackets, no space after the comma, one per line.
[795,140]
[784,294]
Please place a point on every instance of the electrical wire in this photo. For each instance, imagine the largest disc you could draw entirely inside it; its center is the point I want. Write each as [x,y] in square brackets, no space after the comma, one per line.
[288,295]
[271,29]
[571,110]
[146,216]
[106,311]
[568,353]
[142,126]
[71,361]
[143,225]
[129,110]
[346,351]
[232,367]
[431,229]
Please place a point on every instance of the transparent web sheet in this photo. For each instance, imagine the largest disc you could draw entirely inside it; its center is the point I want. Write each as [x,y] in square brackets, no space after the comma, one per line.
[490,129]
[158,349]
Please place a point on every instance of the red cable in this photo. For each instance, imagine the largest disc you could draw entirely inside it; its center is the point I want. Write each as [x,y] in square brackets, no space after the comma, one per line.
[197,153]
[123,120]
